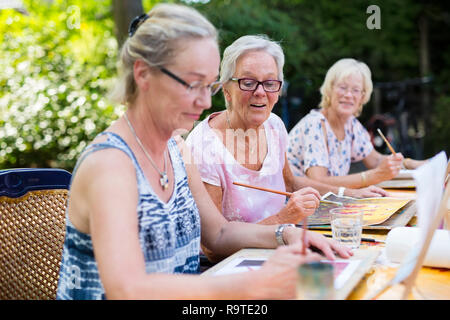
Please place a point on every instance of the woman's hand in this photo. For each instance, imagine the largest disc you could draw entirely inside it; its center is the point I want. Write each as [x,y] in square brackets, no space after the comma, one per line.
[301,204]
[277,278]
[412,164]
[326,245]
[389,167]
[367,192]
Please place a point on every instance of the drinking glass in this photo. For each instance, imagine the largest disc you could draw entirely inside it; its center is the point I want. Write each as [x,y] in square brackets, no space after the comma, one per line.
[346,226]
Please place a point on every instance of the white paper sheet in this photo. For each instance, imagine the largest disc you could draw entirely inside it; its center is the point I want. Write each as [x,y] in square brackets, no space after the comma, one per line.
[404,174]
[241,265]
[429,189]
[344,268]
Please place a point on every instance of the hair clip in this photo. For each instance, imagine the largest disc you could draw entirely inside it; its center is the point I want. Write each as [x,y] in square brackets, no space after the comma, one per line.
[136,22]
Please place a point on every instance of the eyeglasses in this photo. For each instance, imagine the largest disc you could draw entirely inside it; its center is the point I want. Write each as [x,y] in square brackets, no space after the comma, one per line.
[354,91]
[246,84]
[196,86]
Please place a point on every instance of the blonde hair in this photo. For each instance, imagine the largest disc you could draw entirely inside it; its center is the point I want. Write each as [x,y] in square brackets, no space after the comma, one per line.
[341,70]
[156,41]
[246,44]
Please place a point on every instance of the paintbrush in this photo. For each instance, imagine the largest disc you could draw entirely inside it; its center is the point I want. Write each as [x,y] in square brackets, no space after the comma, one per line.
[385,140]
[287,194]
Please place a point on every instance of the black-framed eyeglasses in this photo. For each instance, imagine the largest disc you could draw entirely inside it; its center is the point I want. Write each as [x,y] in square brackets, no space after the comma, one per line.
[248,84]
[196,86]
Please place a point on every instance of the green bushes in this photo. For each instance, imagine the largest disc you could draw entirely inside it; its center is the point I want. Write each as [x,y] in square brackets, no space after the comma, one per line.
[58,63]
[53,84]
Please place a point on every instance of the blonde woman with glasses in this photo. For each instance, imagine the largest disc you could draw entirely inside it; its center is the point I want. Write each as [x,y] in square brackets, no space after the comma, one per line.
[327,140]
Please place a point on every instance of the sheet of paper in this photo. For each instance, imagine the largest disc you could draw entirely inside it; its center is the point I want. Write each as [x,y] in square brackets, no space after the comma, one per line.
[343,269]
[241,265]
[430,181]
[376,210]
[404,174]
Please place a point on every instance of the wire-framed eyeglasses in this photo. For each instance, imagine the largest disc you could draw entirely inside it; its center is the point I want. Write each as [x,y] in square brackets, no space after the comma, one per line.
[248,84]
[196,86]
[343,89]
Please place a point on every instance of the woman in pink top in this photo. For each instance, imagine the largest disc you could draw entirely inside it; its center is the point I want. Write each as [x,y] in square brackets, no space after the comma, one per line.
[247,143]
[219,169]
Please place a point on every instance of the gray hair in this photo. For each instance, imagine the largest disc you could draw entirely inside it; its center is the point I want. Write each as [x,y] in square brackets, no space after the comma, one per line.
[156,41]
[340,70]
[245,44]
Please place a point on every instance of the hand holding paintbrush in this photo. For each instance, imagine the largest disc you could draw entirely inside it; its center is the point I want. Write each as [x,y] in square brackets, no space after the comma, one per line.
[301,204]
[389,166]
[314,239]
[412,164]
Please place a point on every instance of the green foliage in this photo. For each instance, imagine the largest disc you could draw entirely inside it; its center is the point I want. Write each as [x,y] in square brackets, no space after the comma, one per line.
[234,19]
[316,33]
[439,136]
[57,66]
[58,63]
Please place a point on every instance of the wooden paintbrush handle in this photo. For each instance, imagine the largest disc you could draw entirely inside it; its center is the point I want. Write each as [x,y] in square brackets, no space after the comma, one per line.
[287,194]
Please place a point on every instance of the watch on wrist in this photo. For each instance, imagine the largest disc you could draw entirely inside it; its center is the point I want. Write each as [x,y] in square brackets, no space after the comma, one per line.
[279,233]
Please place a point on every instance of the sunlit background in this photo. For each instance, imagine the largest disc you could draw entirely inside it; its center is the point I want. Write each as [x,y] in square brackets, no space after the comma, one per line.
[58,62]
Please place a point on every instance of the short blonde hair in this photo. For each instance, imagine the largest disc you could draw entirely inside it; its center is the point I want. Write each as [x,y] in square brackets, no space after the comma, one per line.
[341,70]
[156,41]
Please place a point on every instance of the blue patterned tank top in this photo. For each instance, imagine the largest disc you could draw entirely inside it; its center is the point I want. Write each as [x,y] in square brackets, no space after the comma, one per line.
[169,233]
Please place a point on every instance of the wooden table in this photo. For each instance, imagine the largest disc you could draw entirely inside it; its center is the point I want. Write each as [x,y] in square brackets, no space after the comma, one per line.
[431,283]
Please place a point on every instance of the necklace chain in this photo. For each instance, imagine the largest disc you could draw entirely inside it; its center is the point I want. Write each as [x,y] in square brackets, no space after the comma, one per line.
[251,149]
[164,180]
[228,119]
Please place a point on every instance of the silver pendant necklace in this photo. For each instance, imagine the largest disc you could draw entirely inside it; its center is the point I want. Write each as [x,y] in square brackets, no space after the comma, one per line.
[164,180]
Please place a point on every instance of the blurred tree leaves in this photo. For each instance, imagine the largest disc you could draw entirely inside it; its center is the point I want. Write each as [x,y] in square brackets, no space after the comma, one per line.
[57,66]
[316,33]
[58,63]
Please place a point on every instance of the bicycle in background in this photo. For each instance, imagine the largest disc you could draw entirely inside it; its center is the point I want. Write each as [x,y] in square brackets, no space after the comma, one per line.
[404,122]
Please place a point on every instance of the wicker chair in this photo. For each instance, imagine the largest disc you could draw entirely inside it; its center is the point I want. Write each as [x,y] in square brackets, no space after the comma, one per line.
[32,229]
